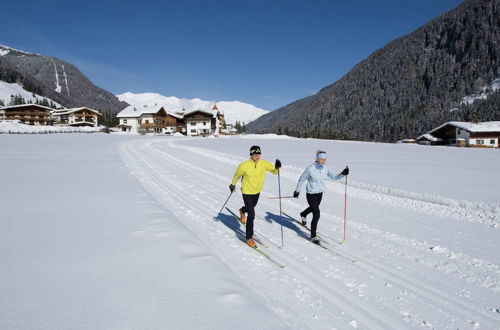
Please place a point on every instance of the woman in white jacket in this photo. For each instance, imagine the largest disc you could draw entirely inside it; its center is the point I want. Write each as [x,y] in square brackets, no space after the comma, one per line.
[315,175]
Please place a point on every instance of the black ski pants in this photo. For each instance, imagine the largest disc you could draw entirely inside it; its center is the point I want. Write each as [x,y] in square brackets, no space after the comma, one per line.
[249,208]
[313,200]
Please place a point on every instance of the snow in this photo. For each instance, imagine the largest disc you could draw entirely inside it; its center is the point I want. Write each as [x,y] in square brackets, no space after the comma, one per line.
[7,49]
[429,137]
[233,110]
[132,243]
[7,89]
[58,87]
[15,127]
[137,111]
[483,95]
[4,52]
[84,246]
[65,79]
[71,110]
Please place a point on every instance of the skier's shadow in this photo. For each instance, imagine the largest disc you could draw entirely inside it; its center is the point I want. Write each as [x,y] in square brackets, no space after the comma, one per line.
[232,223]
[285,222]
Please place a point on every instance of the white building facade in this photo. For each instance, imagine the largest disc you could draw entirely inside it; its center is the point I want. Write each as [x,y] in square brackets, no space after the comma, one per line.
[198,122]
[76,117]
[467,134]
[148,120]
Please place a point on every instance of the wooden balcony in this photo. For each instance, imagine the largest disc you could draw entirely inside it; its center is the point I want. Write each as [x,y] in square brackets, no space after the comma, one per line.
[27,113]
[152,125]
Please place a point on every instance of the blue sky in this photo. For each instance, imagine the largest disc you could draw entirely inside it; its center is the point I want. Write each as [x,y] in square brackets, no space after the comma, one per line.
[264,52]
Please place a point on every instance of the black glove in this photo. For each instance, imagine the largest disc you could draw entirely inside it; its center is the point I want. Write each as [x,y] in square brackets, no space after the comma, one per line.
[231,187]
[345,171]
[277,164]
[296,194]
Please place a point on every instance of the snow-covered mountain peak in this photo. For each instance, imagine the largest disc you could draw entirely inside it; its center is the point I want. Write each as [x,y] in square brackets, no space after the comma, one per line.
[233,110]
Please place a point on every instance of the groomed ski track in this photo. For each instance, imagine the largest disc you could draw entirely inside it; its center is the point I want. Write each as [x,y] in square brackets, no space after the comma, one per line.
[399,281]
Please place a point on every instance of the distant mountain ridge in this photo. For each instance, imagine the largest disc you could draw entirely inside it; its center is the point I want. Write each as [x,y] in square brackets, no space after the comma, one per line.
[57,80]
[409,86]
[233,110]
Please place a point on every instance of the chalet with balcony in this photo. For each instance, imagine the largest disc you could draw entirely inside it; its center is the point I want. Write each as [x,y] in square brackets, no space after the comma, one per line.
[30,114]
[466,134]
[76,117]
[199,122]
[149,119]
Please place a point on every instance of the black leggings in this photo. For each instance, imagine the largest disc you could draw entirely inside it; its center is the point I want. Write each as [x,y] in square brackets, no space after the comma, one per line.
[313,200]
[250,203]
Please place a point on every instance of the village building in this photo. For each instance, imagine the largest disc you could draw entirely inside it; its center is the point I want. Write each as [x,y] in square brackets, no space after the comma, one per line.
[76,117]
[30,114]
[198,122]
[406,141]
[428,139]
[149,119]
[466,134]
[218,123]
[157,120]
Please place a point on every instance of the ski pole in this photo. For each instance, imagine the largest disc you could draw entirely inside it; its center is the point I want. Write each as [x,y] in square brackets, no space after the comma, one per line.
[281,213]
[222,208]
[345,205]
[280,197]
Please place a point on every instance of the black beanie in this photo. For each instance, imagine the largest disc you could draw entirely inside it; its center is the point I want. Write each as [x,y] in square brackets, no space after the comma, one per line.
[254,150]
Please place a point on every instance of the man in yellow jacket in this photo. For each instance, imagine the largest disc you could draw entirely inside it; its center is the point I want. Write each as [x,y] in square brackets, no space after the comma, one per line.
[253,172]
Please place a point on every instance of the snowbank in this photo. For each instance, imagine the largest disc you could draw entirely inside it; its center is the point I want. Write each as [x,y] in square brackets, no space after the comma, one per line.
[15,127]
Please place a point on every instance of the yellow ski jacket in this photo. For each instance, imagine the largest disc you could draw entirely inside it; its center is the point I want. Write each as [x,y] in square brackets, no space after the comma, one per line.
[254,174]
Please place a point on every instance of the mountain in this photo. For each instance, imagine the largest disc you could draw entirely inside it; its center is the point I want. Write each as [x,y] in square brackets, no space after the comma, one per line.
[9,89]
[57,80]
[409,86]
[233,110]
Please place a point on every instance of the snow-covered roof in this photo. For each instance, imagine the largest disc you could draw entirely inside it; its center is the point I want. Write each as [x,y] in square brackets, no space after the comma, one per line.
[199,110]
[487,126]
[173,114]
[68,111]
[135,111]
[429,137]
[25,105]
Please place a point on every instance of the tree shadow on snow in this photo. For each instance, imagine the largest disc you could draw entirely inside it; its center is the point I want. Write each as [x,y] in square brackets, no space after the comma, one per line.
[286,222]
[232,223]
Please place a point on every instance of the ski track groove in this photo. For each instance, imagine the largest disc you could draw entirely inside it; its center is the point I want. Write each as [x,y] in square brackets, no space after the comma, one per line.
[437,298]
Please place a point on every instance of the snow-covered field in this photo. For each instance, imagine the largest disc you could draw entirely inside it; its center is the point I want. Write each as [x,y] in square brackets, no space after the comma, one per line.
[114,231]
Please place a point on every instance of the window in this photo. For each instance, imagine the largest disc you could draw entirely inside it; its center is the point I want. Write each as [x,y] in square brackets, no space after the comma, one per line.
[124,121]
[480,141]
[193,131]
[492,141]
[204,123]
[147,121]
